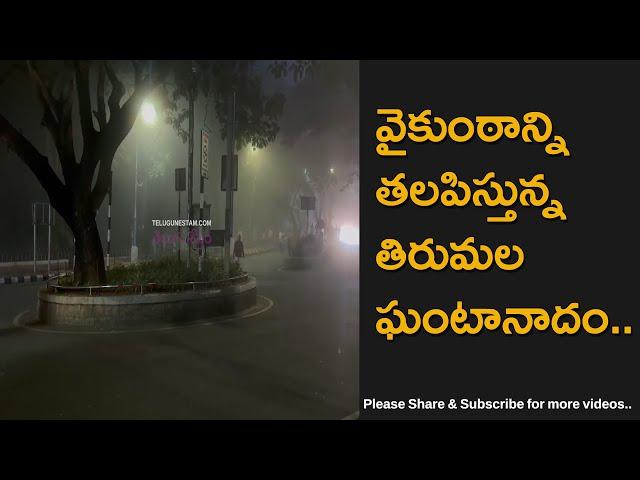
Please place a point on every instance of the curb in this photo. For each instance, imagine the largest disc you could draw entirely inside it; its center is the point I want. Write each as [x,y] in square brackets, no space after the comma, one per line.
[24,279]
[136,312]
[15,324]
[257,251]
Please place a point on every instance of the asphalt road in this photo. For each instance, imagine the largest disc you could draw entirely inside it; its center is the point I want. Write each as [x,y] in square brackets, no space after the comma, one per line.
[15,299]
[299,359]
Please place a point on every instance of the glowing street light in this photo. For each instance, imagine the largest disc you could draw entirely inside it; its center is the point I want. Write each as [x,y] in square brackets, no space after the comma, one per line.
[148,112]
[349,235]
[332,171]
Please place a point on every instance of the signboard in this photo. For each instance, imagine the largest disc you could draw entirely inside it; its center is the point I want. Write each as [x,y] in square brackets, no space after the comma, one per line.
[223,173]
[181,179]
[206,211]
[307,203]
[204,163]
[217,238]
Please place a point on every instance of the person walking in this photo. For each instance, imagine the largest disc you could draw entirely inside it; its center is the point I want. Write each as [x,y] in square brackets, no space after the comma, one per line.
[238,248]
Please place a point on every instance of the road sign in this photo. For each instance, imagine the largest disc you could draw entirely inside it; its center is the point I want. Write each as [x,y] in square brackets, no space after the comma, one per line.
[204,163]
[307,203]
[217,238]
[223,171]
[181,179]
[206,211]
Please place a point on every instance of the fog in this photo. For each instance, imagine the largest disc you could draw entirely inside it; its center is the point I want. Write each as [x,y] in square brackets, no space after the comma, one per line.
[315,153]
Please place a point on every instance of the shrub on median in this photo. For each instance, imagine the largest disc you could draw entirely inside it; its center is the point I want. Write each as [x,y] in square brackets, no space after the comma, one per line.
[166,270]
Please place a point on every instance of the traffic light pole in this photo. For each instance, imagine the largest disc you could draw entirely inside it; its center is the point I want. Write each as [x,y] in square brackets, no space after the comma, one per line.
[190,162]
[201,244]
[109,221]
[229,180]
[179,231]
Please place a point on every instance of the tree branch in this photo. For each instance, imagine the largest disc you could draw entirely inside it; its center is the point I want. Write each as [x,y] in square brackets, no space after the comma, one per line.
[119,126]
[57,120]
[39,166]
[117,89]
[101,113]
[121,121]
[45,95]
[82,70]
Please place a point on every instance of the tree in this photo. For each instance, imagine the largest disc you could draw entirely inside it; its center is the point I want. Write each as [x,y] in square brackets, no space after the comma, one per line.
[106,112]
[85,165]
[257,114]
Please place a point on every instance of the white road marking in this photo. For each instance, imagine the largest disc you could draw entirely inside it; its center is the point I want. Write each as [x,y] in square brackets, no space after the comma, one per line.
[16,320]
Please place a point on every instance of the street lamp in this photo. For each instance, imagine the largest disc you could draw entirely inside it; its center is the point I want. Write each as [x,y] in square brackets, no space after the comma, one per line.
[332,171]
[253,190]
[148,114]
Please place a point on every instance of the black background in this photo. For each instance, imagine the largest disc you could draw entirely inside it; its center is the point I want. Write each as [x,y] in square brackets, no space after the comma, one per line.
[590,258]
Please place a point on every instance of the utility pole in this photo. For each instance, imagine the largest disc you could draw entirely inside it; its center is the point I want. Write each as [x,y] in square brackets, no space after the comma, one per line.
[181,184]
[190,159]
[34,215]
[49,243]
[134,243]
[109,220]
[204,175]
[231,119]
[179,232]
[200,237]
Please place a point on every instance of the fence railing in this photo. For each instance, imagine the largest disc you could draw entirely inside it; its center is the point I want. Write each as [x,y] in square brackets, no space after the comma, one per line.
[53,286]
[14,257]
[61,256]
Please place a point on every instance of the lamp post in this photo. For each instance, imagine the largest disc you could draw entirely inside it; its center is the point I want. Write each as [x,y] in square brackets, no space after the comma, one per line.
[148,113]
[231,119]
[253,192]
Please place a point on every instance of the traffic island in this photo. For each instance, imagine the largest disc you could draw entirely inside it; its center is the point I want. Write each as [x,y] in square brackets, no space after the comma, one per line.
[163,292]
[303,253]
[136,307]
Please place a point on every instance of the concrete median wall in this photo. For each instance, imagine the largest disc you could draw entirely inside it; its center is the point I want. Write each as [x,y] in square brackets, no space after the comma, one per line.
[132,312]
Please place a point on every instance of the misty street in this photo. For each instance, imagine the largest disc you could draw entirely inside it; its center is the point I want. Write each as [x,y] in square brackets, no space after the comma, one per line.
[297,359]
[197,222]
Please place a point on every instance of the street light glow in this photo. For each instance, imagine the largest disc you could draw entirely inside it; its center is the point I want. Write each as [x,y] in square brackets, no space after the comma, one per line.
[148,113]
[332,170]
[349,235]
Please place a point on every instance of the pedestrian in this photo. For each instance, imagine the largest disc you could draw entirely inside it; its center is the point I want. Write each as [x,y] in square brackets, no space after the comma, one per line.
[282,242]
[320,229]
[238,248]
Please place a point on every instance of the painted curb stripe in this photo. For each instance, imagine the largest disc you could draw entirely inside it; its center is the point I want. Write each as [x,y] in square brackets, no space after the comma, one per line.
[23,279]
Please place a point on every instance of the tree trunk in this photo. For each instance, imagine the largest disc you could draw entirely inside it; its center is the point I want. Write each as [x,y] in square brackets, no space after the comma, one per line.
[89,268]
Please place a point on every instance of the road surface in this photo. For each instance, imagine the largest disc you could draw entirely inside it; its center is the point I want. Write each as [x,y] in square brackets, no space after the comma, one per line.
[298,359]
